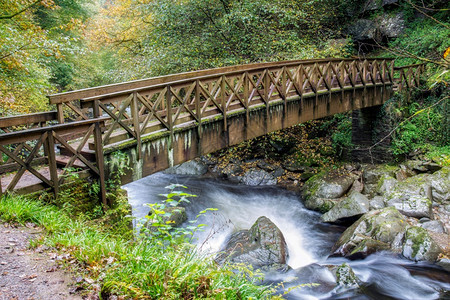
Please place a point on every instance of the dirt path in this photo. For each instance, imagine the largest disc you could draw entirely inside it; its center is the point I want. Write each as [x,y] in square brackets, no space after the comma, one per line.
[30,274]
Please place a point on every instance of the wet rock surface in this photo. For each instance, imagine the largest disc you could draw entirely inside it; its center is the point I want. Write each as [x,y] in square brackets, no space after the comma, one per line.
[262,246]
[352,207]
[375,231]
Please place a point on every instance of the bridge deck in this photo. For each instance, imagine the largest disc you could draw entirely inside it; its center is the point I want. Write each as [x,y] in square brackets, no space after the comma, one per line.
[94,122]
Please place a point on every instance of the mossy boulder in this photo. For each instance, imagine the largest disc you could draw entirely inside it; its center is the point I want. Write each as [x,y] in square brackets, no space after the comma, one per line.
[372,176]
[321,191]
[385,184]
[263,247]
[373,173]
[440,185]
[346,278]
[419,245]
[351,207]
[376,230]
[411,196]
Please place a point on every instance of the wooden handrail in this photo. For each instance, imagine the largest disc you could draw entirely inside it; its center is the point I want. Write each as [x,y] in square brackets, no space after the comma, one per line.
[28,119]
[33,133]
[136,84]
[408,66]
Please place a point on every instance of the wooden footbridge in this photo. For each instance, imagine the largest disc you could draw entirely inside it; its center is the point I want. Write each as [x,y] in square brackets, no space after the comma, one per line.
[164,121]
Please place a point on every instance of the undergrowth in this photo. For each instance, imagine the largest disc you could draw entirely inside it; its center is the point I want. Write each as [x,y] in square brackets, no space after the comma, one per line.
[139,268]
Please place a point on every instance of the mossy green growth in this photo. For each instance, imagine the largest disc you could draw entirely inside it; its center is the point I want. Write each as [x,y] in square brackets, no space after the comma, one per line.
[420,240]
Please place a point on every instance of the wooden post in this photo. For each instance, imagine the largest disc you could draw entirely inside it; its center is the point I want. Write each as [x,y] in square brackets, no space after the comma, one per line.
[198,110]
[136,125]
[98,144]
[169,117]
[50,145]
[60,113]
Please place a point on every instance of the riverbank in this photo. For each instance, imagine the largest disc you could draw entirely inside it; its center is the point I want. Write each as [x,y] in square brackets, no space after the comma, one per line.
[417,191]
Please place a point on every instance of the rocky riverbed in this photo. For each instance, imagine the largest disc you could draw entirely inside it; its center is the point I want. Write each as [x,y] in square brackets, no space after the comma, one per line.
[404,208]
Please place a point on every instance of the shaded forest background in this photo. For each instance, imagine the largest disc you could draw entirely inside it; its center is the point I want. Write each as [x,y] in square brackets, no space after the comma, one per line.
[59,45]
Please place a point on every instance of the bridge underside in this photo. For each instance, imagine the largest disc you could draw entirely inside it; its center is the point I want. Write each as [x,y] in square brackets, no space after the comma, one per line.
[160,151]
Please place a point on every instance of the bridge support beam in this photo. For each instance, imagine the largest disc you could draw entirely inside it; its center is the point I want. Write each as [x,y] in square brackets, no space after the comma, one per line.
[370,135]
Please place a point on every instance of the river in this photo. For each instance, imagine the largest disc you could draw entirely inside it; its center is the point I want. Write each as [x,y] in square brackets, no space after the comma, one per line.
[383,275]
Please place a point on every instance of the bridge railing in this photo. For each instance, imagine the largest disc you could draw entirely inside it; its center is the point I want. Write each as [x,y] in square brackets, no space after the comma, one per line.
[91,120]
[140,108]
[408,76]
[28,156]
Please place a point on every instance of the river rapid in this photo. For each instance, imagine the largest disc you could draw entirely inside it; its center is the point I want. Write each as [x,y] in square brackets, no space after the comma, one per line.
[383,275]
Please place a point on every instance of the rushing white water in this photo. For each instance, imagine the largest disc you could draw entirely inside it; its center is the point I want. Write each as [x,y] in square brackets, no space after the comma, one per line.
[309,241]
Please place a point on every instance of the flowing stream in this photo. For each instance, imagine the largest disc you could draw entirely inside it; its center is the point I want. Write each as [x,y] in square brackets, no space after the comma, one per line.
[309,241]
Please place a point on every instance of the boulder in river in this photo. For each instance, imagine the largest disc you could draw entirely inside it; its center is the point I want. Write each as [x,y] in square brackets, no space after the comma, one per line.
[263,247]
[419,245]
[351,207]
[320,191]
[411,196]
[346,278]
[192,167]
[256,176]
[376,230]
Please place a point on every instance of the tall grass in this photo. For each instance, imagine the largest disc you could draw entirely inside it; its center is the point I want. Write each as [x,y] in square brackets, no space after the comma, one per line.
[138,269]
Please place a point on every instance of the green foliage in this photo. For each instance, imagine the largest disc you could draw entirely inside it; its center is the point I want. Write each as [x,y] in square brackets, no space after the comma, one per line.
[423,38]
[162,229]
[422,120]
[134,269]
[340,126]
[164,36]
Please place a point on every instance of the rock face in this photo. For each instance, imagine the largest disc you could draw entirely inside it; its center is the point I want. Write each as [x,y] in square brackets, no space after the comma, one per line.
[379,29]
[376,230]
[321,190]
[192,167]
[419,245]
[346,278]
[263,246]
[355,205]
[411,196]
[440,186]
[258,177]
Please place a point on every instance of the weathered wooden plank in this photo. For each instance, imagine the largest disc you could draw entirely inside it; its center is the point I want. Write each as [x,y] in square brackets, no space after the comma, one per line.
[35,133]
[28,119]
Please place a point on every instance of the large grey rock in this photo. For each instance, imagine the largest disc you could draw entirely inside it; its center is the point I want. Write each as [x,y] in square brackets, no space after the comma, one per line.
[385,184]
[379,28]
[440,186]
[320,204]
[444,263]
[391,26]
[355,205]
[321,190]
[411,197]
[377,4]
[419,245]
[256,176]
[363,29]
[192,167]
[373,173]
[377,202]
[435,226]
[263,247]
[375,231]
